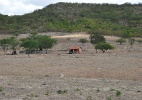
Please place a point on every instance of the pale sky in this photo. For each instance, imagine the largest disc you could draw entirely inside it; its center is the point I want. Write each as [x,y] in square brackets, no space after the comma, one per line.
[20,7]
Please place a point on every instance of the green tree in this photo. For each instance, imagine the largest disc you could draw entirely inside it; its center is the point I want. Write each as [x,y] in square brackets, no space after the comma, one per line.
[14,43]
[9,43]
[121,41]
[30,45]
[45,42]
[5,43]
[104,47]
[131,41]
[96,37]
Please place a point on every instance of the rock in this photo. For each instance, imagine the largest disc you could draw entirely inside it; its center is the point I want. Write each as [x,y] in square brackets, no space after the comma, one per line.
[62,75]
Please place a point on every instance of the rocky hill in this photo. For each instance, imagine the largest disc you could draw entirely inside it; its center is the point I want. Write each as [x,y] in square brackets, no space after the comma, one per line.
[111,19]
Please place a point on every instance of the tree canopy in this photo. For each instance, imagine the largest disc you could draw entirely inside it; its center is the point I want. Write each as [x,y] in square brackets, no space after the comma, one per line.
[104,47]
[96,37]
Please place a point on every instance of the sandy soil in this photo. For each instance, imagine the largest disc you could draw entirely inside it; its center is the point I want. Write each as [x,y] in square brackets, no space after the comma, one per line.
[24,78]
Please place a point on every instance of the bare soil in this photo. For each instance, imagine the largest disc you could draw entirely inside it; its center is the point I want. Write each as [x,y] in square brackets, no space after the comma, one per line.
[85,76]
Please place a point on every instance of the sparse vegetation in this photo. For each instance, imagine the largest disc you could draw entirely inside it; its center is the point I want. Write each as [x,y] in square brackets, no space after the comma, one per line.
[77,89]
[47,93]
[89,98]
[1,88]
[112,89]
[77,17]
[109,98]
[98,90]
[118,93]
[33,95]
[84,87]
[62,91]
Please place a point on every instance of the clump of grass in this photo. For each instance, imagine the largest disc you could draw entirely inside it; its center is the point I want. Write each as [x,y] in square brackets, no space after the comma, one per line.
[47,93]
[138,91]
[108,98]
[112,89]
[77,89]
[118,93]
[33,95]
[1,88]
[62,91]
[98,90]
[89,98]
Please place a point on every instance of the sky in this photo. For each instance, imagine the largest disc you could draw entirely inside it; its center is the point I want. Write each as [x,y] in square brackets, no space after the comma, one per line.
[21,7]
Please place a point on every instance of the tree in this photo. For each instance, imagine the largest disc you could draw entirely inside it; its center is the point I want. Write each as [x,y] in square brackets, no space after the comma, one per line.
[14,44]
[121,41]
[131,41]
[83,40]
[9,43]
[42,42]
[29,45]
[5,43]
[96,37]
[45,42]
[104,47]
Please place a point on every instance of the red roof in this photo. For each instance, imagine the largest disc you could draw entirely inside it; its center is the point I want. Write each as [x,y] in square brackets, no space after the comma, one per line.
[74,47]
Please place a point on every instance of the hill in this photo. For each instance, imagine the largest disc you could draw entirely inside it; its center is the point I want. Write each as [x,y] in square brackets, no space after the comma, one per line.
[111,19]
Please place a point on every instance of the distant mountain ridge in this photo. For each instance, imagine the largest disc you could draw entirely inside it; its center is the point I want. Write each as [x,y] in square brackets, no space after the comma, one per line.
[77,17]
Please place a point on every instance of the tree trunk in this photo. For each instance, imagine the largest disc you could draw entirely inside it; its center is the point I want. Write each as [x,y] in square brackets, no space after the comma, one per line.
[14,52]
[29,51]
[28,55]
[103,51]
[96,50]
[46,51]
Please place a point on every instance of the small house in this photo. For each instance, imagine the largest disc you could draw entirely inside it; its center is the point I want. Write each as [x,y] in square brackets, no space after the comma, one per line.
[75,49]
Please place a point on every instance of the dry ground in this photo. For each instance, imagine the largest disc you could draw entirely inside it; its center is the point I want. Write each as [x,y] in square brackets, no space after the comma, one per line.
[85,76]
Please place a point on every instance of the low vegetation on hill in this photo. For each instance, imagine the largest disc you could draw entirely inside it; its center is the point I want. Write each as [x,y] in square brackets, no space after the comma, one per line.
[109,19]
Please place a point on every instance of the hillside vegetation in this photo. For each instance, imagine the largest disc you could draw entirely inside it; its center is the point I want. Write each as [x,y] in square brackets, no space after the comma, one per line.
[109,19]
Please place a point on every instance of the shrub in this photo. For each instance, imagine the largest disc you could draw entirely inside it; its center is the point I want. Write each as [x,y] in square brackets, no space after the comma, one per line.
[118,93]
[1,88]
[83,40]
[121,41]
[131,41]
[108,98]
[62,91]
[104,47]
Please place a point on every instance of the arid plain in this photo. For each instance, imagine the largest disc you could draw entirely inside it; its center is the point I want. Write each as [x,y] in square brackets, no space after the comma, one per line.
[85,76]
